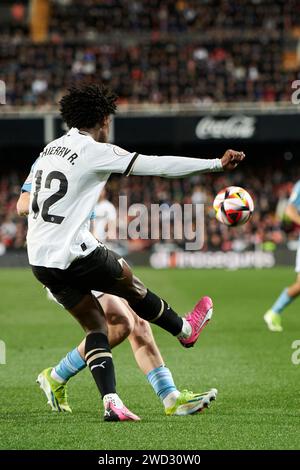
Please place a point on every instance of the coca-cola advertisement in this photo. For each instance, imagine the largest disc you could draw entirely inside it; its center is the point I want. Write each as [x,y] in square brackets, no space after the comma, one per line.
[233,127]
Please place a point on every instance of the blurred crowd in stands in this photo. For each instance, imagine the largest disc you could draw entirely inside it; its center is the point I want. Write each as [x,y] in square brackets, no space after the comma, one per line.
[12,228]
[168,15]
[157,51]
[267,229]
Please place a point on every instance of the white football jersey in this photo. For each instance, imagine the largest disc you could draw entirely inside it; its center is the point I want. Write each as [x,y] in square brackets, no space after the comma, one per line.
[67,180]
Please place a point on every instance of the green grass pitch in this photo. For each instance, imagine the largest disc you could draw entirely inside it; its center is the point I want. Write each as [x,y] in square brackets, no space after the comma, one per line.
[258,405]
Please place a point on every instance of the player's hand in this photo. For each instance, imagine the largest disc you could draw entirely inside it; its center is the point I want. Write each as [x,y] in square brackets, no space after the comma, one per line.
[231,159]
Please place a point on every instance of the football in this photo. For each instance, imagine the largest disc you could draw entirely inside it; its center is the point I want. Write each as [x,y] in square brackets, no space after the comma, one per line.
[233,205]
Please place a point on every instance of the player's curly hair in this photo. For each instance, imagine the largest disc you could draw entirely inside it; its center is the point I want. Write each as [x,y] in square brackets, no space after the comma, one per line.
[87,105]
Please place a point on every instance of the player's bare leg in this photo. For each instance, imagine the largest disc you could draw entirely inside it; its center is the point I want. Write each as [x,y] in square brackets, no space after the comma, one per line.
[143,345]
[294,289]
[151,363]
[287,296]
[97,355]
[152,308]
[122,322]
[119,324]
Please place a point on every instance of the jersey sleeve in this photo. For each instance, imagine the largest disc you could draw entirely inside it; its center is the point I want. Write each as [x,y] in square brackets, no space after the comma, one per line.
[26,187]
[173,167]
[93,215]
[295,196]
[109,158]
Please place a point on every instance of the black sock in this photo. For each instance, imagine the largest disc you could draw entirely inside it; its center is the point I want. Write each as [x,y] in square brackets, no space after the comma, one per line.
[99,359]
[155,310]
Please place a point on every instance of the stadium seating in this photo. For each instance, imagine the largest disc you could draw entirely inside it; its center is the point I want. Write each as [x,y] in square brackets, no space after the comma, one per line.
[155,51]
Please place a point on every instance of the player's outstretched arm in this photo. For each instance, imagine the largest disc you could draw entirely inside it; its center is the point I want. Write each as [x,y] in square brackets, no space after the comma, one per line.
[173,167]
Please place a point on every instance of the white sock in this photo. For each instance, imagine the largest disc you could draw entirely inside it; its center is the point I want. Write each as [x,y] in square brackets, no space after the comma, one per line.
[186,330]
[57,377]
[170,399]
[114,398]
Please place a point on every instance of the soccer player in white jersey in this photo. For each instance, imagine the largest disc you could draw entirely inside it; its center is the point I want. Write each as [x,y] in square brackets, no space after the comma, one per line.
[289,294]
[64,256]
[122,323]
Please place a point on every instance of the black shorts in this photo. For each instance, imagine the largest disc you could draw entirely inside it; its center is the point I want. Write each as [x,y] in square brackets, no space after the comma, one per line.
[99,271]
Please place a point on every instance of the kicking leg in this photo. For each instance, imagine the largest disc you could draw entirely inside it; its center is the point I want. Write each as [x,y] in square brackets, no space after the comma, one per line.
[152,308]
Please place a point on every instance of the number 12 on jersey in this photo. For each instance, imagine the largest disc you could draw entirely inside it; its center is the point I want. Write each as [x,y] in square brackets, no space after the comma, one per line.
[63,188]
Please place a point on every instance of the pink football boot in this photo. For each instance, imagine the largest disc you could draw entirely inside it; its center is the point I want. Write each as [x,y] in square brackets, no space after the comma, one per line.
[115,410]
[198,319]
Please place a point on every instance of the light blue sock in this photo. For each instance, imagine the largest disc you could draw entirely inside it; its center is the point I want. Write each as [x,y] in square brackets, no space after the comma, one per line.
[283,301]
[161,381]
[70,365]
